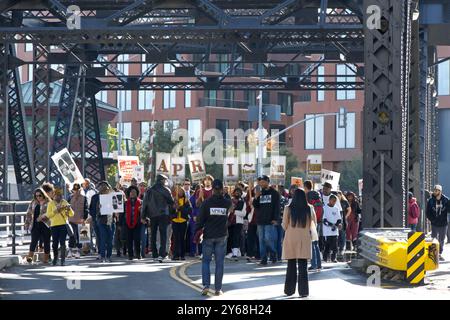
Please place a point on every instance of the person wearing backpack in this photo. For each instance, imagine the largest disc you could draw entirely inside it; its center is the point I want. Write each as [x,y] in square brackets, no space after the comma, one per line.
[155,208]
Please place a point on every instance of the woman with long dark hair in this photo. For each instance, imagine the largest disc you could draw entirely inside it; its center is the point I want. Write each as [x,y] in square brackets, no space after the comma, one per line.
[297,242]
[39,230]
[353,218]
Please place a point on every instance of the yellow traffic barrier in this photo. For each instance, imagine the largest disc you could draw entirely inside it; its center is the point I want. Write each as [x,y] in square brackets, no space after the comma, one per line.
[415,267]
[389,248]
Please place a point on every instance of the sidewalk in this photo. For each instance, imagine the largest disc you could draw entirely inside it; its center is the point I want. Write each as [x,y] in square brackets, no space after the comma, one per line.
[244,280]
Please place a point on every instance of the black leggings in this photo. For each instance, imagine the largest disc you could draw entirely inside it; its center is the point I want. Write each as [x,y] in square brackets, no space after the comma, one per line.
[236,235]
[40,231]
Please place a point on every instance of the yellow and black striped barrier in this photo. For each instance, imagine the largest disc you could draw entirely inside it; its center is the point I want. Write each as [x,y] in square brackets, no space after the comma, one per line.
[415,267]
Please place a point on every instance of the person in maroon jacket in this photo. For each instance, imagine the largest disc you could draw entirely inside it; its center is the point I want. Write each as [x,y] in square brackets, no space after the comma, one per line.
[413,212]
[133,222]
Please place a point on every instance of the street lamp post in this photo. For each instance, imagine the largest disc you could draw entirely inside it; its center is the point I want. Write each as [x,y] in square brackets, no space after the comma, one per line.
[260,135]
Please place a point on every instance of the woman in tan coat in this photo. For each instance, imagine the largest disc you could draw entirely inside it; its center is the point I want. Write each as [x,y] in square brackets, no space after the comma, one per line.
[297,220]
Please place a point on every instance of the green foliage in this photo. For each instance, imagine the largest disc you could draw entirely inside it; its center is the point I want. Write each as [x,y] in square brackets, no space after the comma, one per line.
[291,165]
[351,172]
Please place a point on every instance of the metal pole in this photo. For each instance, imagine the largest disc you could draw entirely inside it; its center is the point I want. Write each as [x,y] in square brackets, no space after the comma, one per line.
[382,191]
[14,229]
[119,145]
[260,134]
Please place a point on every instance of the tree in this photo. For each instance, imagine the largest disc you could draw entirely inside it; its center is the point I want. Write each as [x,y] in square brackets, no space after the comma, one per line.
[351,172]
[291,165]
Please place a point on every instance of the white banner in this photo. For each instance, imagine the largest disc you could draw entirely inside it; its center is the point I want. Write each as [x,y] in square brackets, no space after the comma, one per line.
[126,168]
[197,166]
[67,167]
[248,166]
[278,166]
[360,186]
[139,173]
[331,177]
[163,163]
[230,169]
[85,233]
[178,171]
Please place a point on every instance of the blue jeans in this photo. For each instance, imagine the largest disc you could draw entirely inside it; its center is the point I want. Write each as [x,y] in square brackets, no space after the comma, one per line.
[279,240]
[413,227]
[316,263]
[218,247]
[106,240]
[266,236]
[143,239]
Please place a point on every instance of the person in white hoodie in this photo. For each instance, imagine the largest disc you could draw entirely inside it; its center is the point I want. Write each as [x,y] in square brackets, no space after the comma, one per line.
[236,222]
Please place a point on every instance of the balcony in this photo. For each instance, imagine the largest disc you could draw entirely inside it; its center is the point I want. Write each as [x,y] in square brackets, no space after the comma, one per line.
[223,103]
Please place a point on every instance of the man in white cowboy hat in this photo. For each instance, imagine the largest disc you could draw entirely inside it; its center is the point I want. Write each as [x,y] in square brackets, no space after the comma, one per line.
[437,211]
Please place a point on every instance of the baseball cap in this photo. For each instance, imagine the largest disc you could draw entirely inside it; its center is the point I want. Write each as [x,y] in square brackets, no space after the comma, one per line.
[217,184]
[327,185]
[161,177]
[438,187]
[264,177]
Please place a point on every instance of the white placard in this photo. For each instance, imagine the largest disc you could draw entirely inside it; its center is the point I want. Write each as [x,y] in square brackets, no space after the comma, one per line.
[314,164]
[331,177]
[197,166]
[111,203]
[139,173]
[178,169]
[248,166]
[67,167]
[126,168]
[85,233]
[163,163]
[230,169]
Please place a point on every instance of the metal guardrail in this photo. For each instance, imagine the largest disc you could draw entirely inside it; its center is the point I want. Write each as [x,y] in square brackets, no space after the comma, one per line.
[11,224]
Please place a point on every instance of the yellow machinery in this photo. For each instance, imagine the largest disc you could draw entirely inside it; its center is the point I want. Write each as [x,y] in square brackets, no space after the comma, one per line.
[388,248]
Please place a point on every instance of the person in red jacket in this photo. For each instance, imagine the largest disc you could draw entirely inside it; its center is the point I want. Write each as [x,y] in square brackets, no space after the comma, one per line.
[133,222]
[413,212]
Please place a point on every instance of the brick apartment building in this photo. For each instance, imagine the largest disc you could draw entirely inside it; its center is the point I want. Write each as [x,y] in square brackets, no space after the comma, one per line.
[197,111]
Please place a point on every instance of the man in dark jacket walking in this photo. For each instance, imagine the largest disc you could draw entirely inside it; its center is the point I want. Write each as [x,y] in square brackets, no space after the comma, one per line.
[155,209]
[437,210]
[267,201]
[213,218]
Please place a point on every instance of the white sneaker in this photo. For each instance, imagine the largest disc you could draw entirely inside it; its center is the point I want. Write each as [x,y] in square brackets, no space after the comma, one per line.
[77,255]
[99,257]
[229,256]
[69,254]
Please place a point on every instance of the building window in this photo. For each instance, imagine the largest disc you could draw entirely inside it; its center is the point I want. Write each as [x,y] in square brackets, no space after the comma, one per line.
[30,72]
[171,125]
[320,79]
[125,129]
[314,132]
[281,137]
[145,131]
[187,98]
[195,135]
[285,101]
[211,98]
[250,97]
[345,137]
[169,68]
[169,99]
[345,74]
[444,78]
[145,66]
[145,100]
[222,59]
[124,100]
[28,47]
[123,67]
[102,96]
[228,96]
[222,126]
[266,97]
[245,125]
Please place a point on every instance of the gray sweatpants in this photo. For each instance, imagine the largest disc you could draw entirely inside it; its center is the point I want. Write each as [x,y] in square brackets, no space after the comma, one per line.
[439,233]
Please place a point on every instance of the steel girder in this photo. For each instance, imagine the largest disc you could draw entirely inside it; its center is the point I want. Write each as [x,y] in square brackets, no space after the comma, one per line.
[386,116]
[3,121]
[414,115]
[41,115]
[433,125]
[67,103]
[18,137]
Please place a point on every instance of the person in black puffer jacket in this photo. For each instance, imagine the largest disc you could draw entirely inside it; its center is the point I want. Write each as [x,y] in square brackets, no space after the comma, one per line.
[437,211]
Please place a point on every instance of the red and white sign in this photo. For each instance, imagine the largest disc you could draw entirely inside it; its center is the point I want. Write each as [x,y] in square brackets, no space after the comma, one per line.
[163,163]
[297,181]
[230,169]
[126,168]
[248,166]
[177,169]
